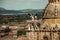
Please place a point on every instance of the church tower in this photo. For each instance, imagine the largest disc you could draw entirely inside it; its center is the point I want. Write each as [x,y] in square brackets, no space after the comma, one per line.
[52,12]
[51,19]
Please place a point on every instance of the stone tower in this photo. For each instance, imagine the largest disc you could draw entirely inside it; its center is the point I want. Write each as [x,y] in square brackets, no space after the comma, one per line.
[51,20]
[52,12]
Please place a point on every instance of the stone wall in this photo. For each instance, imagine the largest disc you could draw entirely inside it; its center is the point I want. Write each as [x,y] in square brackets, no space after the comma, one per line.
[42,35]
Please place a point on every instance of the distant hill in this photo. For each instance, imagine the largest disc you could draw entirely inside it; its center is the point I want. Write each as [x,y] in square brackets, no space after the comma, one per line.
[18,15]
[25,11]
[2,8]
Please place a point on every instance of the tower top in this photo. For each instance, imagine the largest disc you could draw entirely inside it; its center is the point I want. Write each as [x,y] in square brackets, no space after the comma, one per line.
[52,1]
[52,10]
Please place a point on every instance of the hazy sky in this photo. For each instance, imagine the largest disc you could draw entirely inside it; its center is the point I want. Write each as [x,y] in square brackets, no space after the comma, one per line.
[23,4]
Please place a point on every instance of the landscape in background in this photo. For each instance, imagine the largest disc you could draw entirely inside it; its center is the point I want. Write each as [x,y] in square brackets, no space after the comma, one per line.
[18,15]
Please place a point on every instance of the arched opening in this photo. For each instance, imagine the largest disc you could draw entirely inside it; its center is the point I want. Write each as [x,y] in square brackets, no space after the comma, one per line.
[20,33]
[45,37]
[59,35]
[38,24]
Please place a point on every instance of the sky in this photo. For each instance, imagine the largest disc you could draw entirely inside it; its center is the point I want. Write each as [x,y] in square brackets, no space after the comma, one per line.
[23,4]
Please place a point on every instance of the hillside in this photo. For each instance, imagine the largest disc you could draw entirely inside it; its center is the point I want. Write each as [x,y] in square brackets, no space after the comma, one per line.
[25,11]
